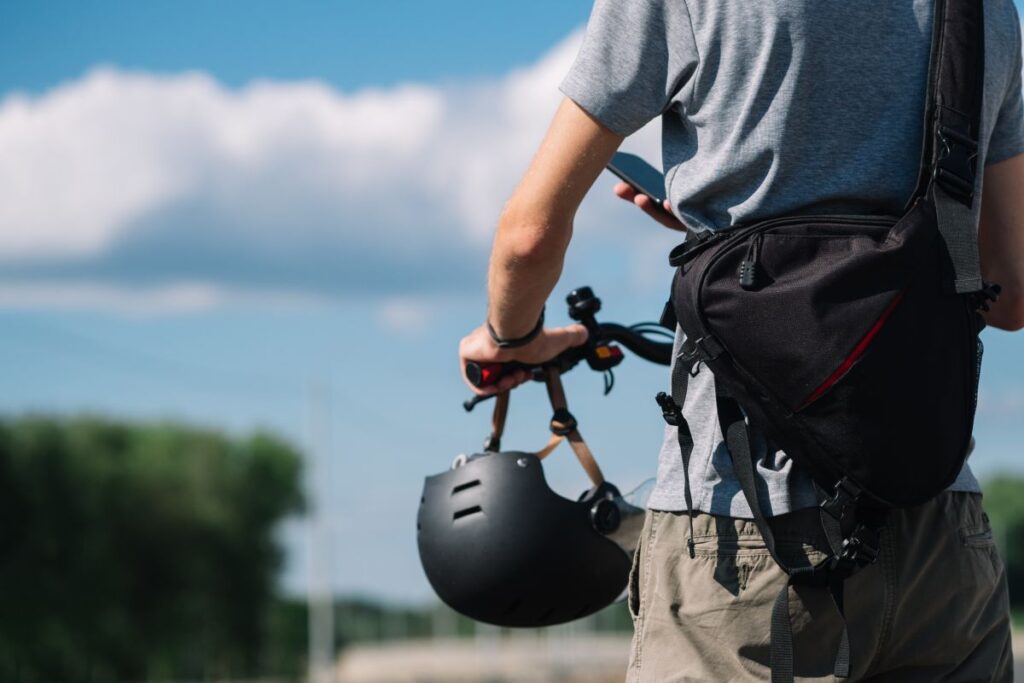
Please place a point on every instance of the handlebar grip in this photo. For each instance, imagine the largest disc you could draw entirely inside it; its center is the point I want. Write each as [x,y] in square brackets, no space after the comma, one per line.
[482,375]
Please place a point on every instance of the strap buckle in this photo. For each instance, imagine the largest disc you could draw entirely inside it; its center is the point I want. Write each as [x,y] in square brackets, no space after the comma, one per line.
[670,410]
[859,550]
[955,165]
[705,349]
[845,496]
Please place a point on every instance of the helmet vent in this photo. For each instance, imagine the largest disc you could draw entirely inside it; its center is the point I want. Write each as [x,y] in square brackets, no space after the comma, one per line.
[466,512]
[467,485]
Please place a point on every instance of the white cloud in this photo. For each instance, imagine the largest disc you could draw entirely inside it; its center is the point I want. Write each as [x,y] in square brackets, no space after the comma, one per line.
[154,182]
[405,315]
[80,164]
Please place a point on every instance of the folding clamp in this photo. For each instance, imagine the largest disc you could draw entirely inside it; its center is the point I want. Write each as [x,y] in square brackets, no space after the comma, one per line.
[955,166]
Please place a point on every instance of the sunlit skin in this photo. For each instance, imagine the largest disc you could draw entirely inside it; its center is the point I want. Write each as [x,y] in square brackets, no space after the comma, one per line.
[535,228]
[1001,240]
[530,242]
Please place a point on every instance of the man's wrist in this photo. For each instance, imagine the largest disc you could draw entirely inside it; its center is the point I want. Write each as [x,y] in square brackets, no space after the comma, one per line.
[507,343]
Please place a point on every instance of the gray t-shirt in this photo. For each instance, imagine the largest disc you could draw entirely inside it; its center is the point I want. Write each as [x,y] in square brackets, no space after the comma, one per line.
[771,108]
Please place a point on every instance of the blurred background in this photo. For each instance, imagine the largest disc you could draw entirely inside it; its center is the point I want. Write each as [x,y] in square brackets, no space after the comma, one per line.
[239,242]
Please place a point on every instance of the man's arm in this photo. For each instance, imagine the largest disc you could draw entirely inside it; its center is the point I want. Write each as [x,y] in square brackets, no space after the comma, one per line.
[536,223]
[533,234]
[1001,240]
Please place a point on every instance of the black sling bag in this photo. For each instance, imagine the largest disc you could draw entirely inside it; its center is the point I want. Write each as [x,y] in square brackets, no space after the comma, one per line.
[851,342]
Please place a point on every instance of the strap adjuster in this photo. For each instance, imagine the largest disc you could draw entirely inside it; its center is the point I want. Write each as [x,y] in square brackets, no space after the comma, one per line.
[670,410]
[846,495]
[705,349]
[955,166]
[668,318]
[859,550]
[563,423]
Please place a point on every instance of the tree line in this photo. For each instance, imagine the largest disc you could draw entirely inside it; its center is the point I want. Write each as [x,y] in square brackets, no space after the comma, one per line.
[133,551]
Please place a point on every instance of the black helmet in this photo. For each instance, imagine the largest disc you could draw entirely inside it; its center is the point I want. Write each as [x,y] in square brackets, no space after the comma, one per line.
[499,546]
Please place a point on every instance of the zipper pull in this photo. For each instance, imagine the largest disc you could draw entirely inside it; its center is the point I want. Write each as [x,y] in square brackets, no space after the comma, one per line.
[750,268]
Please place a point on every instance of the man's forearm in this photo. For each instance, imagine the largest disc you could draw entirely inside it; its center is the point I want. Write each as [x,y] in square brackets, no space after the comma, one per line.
[536,225]
[1001,240]
[526,263]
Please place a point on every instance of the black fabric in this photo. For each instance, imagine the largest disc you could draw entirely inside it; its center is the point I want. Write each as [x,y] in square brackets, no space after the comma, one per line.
[850,345]
[680,372]
[737,438]
[782,639]
[851,341]
[959,67]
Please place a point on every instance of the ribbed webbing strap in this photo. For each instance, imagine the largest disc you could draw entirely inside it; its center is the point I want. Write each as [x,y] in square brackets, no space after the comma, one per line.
[681,368]
[955,87]
[819,576]
[563,425]
[493,442]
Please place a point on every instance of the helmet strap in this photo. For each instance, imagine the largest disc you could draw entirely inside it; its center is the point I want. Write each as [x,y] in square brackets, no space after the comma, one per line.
[493,442]
[563,427]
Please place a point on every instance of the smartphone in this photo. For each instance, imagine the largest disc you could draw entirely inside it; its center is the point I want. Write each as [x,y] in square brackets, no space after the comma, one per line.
[639,174]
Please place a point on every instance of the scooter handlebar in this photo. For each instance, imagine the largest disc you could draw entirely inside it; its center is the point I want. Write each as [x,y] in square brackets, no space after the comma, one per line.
[482,375]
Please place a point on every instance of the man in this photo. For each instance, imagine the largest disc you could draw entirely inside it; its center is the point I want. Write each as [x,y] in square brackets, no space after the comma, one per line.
[771,109]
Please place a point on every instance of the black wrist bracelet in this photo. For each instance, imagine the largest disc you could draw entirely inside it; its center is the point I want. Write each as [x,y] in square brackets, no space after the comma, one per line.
[521,341]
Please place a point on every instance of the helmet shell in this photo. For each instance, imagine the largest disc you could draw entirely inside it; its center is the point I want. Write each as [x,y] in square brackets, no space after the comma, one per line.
[499,546]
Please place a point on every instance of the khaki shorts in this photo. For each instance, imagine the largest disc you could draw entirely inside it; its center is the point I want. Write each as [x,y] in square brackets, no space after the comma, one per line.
[933,608]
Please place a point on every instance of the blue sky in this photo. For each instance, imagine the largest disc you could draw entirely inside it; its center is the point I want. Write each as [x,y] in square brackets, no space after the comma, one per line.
[207,208]
[347,44]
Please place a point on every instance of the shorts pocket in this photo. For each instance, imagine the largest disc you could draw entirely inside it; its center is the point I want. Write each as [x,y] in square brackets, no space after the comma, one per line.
[794,551]
[638,568]
[977,539]
[633,586]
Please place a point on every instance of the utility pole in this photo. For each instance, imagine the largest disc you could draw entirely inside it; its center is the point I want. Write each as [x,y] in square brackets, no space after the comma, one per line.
[320,598]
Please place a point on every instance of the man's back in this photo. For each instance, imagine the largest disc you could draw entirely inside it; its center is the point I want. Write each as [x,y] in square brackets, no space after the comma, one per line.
[779,107]
[771,109]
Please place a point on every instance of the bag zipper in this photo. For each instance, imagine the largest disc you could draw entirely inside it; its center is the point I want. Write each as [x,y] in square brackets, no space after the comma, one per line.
[732,235]
[750,268]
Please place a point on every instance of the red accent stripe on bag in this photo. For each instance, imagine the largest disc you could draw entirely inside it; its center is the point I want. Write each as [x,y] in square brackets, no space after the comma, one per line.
[856,354]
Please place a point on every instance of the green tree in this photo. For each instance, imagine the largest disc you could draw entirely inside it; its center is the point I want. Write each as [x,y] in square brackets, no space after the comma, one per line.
[138,551]
[1004,503]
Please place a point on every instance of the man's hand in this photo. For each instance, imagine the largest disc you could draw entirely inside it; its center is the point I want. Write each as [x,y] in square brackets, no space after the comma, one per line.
[665,217]
[478,346]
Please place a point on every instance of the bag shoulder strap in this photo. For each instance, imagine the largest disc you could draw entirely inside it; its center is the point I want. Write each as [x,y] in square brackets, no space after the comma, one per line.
[828,574]
[952,124]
